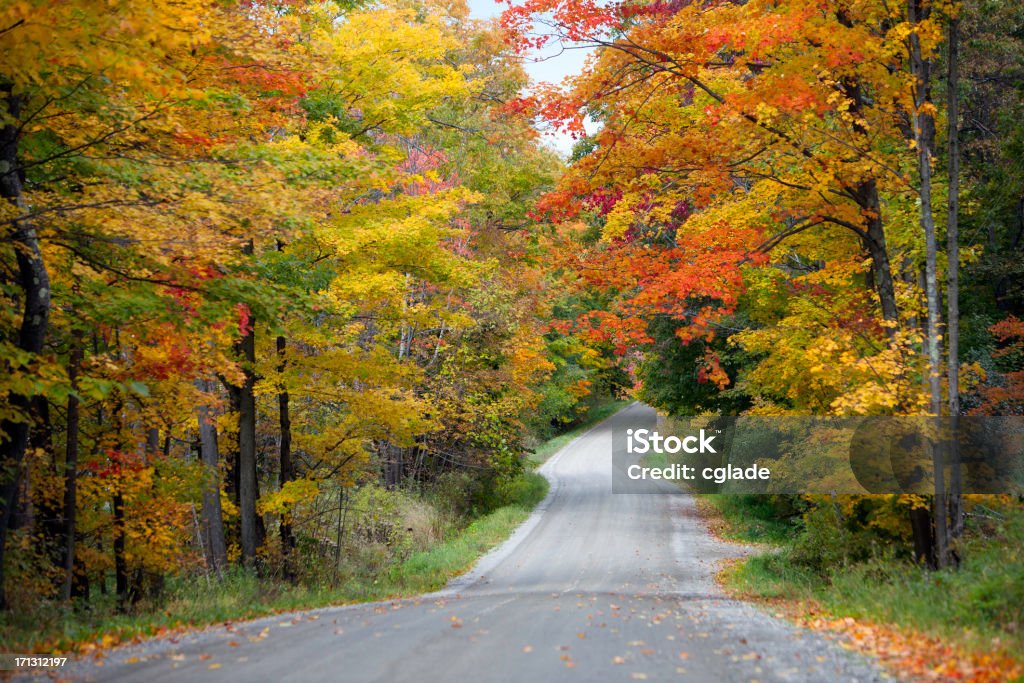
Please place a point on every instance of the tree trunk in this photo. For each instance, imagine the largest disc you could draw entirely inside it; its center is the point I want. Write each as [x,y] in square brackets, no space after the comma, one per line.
[213,517]
[121,585]
[393,465]
[881,268]
[924,137]
[287,467]
[247,456]
[70,513]
[34,281]
[150,583]
[247,441]
[956,516]
[924,539]
[866,196]
[43,516]
[153,442]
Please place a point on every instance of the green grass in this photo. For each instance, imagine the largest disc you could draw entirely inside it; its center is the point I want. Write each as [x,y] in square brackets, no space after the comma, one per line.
[979,606]
[596,414]
[750,518]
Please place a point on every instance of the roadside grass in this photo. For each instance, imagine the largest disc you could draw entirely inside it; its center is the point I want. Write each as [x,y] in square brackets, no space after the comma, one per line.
[978,608]
[197,601]
[748,518]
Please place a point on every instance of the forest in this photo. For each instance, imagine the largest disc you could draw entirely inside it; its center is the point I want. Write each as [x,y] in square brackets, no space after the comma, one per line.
[296,295]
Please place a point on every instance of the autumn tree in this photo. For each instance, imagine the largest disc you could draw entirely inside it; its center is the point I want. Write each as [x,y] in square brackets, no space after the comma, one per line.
[764,173]
[256,255]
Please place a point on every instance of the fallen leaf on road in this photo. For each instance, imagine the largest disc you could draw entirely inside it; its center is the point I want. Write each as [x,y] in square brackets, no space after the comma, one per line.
[262,634]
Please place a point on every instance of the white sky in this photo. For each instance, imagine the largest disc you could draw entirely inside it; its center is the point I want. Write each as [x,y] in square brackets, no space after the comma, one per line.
[550,65]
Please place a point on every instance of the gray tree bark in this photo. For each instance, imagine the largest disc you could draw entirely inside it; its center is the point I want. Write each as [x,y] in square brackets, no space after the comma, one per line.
[923,122]
[955,506]
[213,517]
[34,281]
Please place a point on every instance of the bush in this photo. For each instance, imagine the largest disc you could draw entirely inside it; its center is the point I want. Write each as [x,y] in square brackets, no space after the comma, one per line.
[525,490]
[456,493]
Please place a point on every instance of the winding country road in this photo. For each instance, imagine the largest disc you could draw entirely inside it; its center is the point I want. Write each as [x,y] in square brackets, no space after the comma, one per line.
[595,586]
